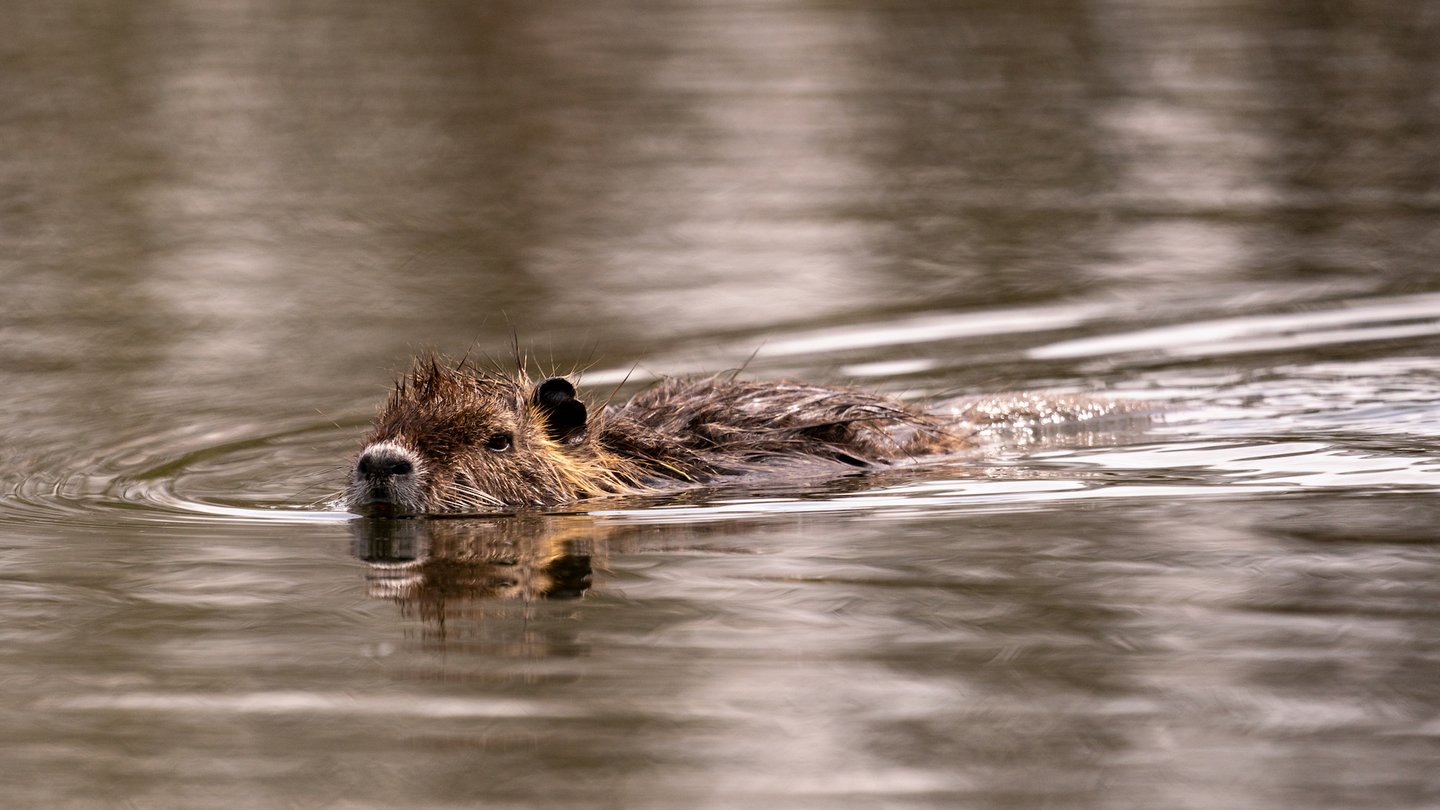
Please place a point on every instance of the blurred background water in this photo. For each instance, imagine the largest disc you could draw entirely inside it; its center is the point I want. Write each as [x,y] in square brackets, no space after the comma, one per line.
[225,227]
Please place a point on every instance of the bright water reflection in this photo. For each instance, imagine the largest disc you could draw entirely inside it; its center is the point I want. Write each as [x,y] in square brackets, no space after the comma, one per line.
[222,226]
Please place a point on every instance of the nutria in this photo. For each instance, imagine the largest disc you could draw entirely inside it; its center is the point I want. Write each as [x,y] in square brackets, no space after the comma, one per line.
[454,437]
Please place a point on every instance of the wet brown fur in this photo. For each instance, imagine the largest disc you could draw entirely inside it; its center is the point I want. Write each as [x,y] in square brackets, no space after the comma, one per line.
[677,431]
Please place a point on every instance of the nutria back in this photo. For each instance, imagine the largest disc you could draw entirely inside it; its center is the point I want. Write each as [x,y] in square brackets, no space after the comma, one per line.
[453,437]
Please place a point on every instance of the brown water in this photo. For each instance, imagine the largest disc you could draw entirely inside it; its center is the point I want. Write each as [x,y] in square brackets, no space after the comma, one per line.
[225,226]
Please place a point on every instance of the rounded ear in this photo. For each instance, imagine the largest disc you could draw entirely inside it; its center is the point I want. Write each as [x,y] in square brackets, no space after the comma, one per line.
[564,414]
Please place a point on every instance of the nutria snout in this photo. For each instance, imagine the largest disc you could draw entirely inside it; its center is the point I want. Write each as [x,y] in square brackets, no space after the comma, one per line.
[387,477]
[458,438]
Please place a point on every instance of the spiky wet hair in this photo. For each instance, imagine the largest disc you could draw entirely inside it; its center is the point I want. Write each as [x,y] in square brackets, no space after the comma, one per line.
[721,421]
[481,437]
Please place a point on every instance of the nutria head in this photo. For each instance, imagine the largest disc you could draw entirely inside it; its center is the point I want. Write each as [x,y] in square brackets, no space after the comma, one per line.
[455,438]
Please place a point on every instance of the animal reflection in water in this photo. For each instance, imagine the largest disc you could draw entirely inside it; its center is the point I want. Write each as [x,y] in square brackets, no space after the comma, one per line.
[468,570]
[424,561]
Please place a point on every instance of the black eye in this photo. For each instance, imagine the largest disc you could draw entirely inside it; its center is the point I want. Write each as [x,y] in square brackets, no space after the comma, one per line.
[498,443]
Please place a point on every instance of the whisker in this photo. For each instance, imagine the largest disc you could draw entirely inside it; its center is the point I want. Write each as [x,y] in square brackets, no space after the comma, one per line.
[473,493]
[327,500]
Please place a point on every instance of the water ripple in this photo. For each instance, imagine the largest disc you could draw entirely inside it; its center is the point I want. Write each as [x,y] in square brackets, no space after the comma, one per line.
[1361,425]
[1351,322]
[240,472]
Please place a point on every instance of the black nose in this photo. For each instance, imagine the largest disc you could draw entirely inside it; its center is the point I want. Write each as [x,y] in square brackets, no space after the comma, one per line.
[383,462]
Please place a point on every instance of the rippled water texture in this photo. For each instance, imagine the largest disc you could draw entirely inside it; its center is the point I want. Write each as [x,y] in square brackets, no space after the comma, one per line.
[225,227]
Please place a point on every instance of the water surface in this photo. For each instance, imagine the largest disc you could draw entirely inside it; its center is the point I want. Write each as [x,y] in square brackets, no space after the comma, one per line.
[224,229]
